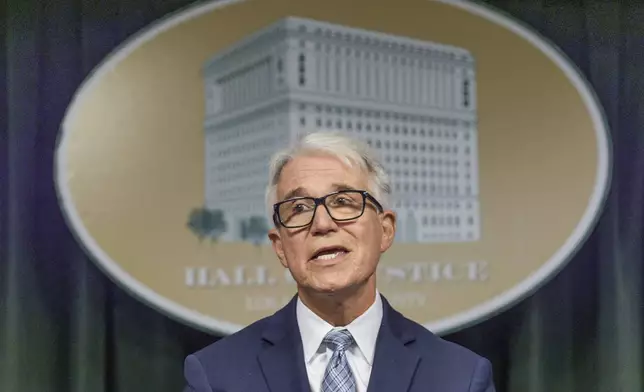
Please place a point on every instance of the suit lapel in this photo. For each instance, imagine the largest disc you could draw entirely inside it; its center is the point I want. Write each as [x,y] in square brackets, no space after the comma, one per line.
[282,360]
[394,363]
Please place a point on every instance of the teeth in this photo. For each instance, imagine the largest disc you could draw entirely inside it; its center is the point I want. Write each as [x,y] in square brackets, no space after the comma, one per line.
[328,256]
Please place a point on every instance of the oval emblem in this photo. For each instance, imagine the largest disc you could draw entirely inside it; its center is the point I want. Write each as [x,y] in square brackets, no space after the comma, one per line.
[497,149]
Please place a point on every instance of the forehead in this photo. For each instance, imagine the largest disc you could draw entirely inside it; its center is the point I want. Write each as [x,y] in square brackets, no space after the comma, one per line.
[314,175]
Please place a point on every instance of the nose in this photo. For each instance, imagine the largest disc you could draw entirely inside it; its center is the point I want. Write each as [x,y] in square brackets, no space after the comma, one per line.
[322,222]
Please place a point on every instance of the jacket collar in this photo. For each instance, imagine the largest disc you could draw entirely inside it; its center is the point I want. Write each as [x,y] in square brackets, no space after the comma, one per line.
[394,362]
[282,360]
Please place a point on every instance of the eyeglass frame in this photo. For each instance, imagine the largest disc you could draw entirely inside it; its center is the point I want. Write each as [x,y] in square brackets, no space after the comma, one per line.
[320,201]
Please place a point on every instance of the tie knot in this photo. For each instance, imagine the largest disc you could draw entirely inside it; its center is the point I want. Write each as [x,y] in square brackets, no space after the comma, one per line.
[339,339]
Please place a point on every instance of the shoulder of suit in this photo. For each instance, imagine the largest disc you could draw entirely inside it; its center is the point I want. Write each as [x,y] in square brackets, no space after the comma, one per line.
[428,343]
[244,338]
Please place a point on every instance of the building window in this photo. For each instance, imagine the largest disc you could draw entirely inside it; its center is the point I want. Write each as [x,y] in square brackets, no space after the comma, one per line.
[302,69]
[466,93]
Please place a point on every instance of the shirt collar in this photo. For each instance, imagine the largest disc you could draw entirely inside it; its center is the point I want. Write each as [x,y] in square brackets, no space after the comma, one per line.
[364,329]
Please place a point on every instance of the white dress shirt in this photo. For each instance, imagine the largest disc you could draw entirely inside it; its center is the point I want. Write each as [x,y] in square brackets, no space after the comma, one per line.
[360,356]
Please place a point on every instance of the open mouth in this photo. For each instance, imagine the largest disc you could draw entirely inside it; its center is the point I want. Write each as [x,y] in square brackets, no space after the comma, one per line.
[330,253]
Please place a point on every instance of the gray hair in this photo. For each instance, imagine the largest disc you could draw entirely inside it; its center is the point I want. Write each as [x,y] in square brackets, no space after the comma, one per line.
[348,150]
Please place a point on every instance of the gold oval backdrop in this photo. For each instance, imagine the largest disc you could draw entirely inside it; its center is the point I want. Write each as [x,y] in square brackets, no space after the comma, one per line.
[148,156]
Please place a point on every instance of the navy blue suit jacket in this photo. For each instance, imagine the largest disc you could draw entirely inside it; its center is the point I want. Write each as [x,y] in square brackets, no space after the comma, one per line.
[267,356]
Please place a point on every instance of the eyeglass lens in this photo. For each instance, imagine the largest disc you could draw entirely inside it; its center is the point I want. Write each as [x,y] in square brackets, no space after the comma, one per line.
[341,206]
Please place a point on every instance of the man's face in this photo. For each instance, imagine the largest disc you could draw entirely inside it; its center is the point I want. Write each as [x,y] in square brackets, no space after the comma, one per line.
[329,256]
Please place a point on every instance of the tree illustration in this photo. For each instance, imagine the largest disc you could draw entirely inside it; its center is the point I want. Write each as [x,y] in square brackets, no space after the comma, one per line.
[244,230]
[206,223]
[256,229]
[217,225]
[197,222]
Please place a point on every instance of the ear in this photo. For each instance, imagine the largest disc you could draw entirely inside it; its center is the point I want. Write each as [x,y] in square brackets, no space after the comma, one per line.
[388,220]
[276,241]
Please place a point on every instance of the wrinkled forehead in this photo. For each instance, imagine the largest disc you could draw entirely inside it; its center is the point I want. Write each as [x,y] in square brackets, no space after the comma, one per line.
[317,175]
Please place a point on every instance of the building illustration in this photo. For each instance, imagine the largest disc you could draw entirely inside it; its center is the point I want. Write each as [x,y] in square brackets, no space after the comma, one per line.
[413,101]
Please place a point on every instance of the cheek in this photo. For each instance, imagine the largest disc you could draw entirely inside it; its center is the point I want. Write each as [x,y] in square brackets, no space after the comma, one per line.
[295,253]
[370,238]
[373,236]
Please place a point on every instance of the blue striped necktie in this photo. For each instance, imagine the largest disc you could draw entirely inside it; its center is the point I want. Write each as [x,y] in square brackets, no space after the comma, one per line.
[338,376]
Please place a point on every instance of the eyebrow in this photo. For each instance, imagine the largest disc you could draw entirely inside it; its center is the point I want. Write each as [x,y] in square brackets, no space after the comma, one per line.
[297,192]
[301,192]
[343,187]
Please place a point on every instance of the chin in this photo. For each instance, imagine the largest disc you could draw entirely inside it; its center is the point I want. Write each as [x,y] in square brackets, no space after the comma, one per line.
[333,288]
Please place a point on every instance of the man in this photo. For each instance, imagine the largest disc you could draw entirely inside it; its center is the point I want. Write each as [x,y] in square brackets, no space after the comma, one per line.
[329,199]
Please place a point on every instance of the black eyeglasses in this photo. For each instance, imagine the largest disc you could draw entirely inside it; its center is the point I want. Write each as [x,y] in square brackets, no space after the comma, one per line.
[342,206]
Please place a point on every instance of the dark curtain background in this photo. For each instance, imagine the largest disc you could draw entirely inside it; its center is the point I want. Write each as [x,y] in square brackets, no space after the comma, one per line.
[65,327]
